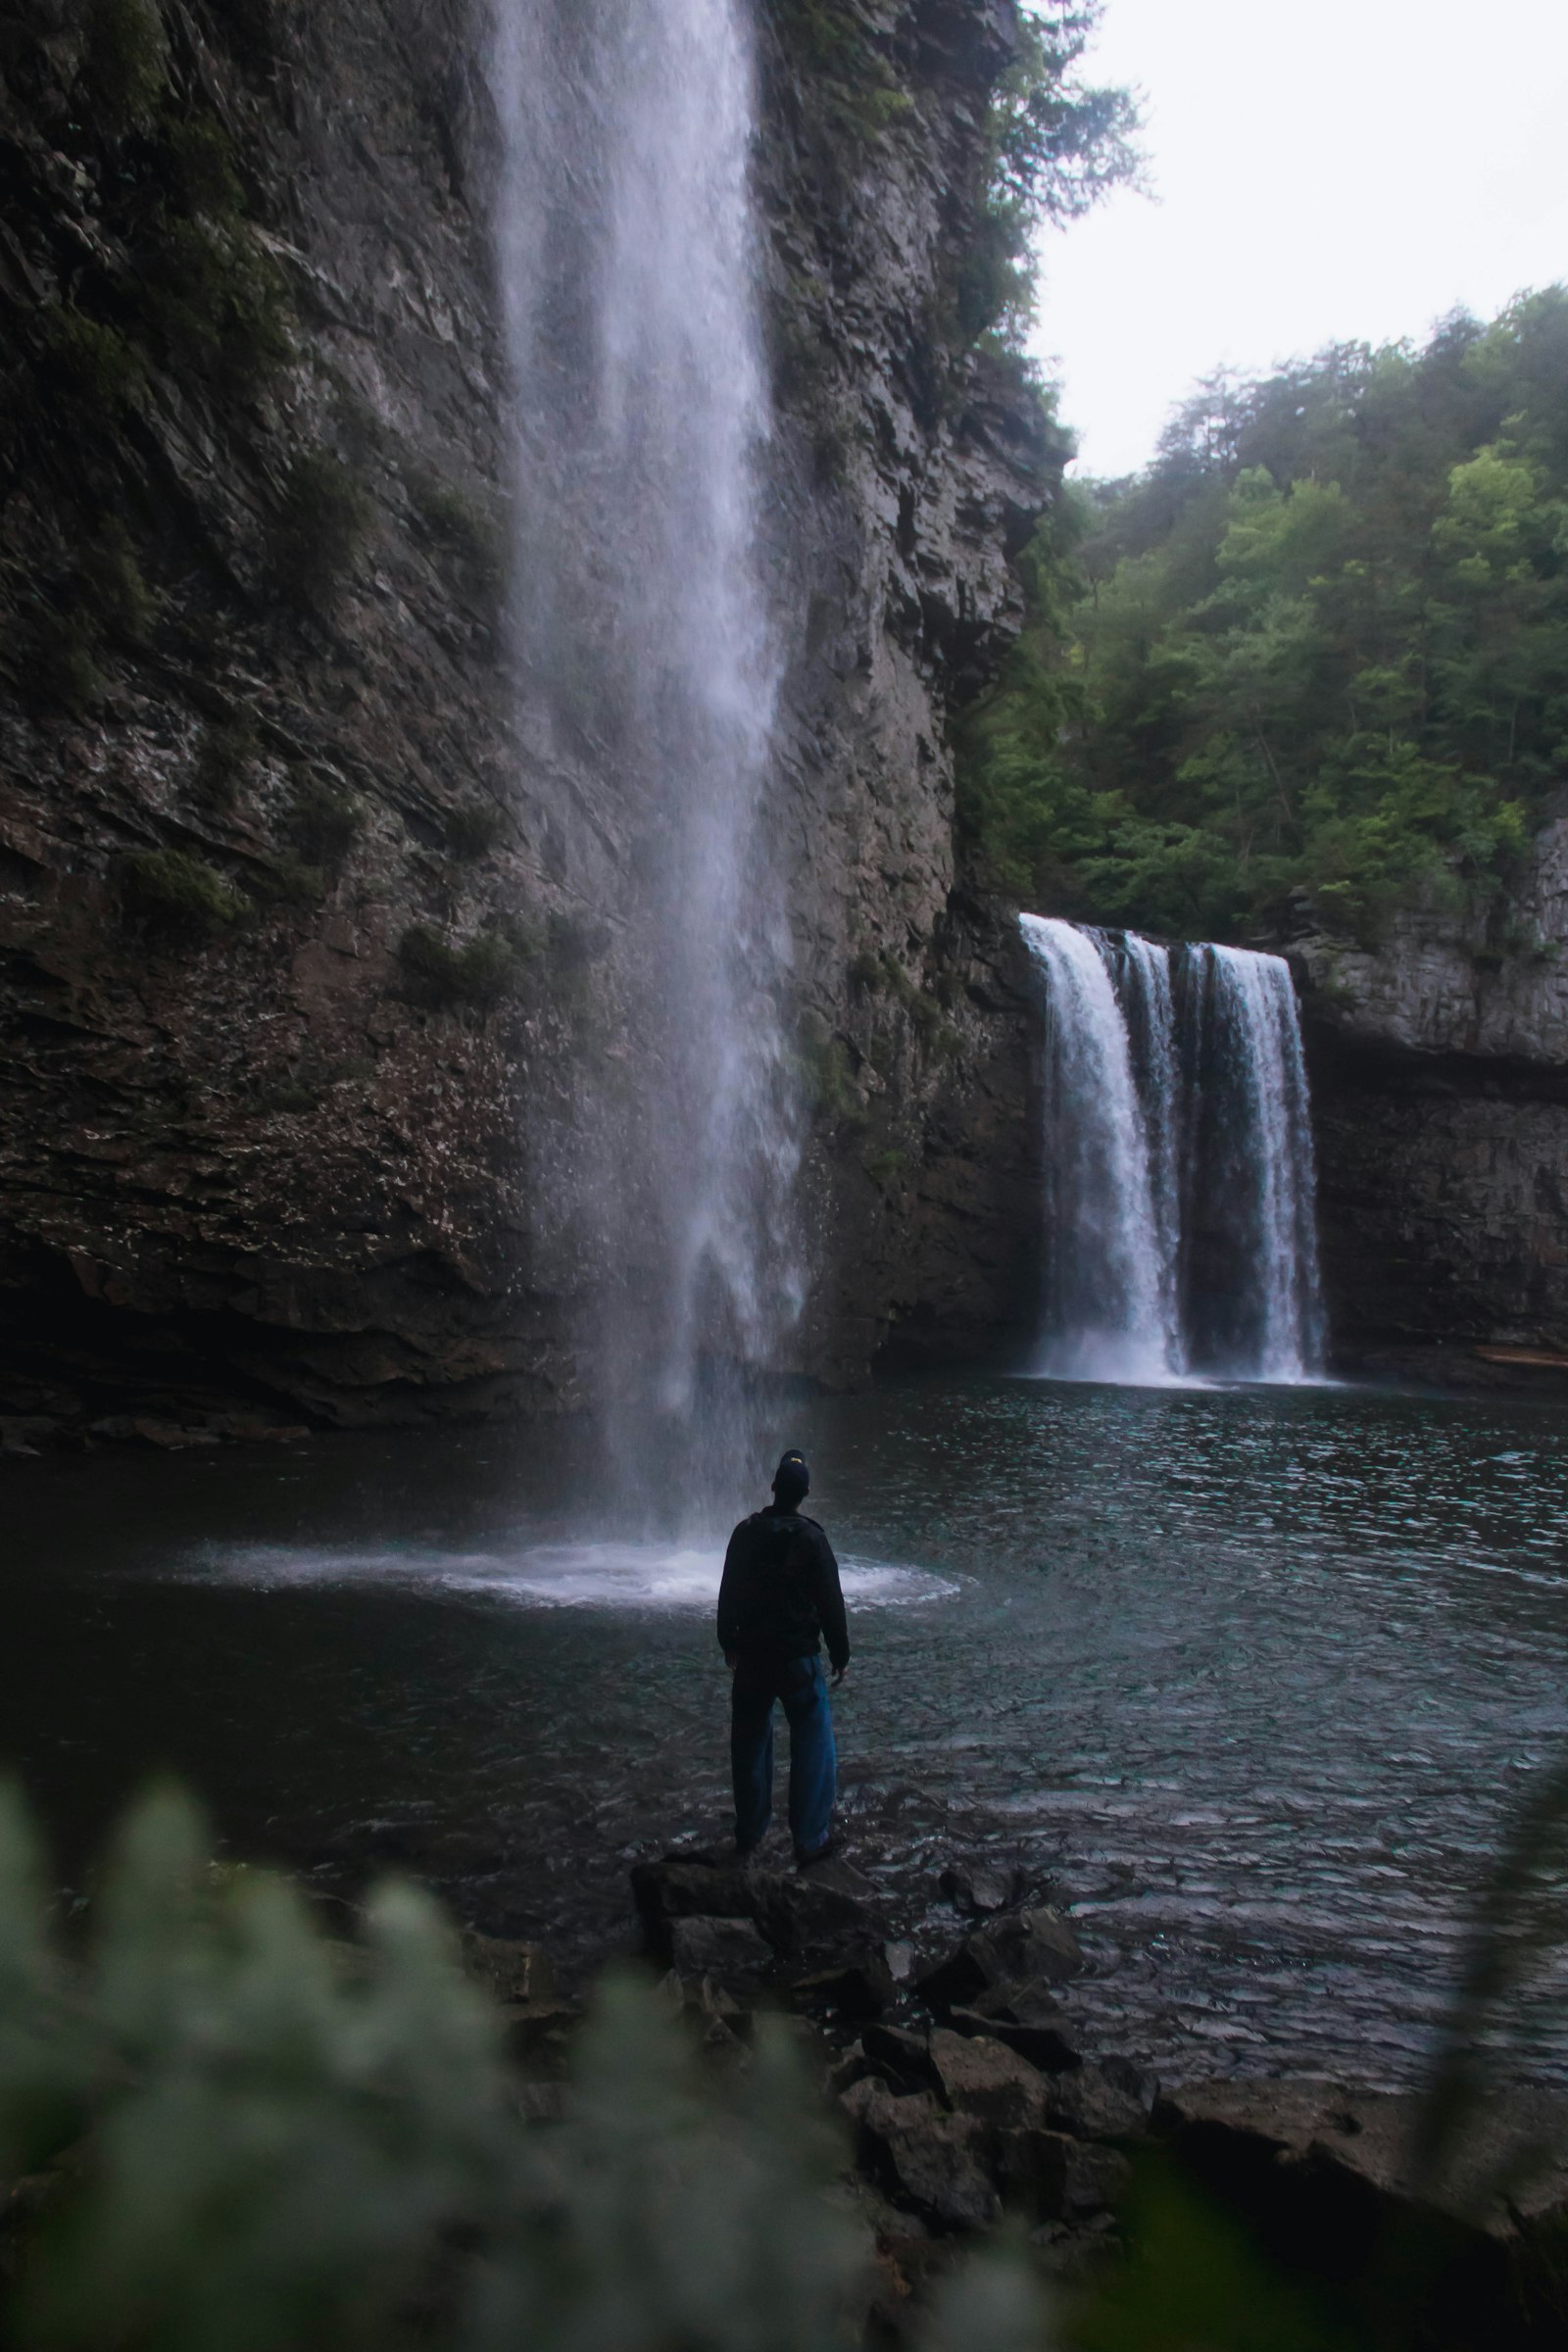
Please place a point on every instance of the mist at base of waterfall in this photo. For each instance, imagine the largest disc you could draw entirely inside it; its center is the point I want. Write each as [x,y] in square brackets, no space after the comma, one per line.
[592,1574]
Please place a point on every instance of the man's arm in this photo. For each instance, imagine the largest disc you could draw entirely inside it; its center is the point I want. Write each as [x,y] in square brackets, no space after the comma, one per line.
[830,1607]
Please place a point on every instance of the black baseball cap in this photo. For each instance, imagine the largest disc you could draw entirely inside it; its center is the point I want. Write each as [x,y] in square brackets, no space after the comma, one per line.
[793,1473]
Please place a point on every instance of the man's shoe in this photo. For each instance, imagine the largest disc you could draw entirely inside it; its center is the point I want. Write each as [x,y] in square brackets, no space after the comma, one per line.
[819,1853]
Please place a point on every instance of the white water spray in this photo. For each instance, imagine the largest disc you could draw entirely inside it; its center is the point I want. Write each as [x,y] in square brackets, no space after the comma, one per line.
[647,678]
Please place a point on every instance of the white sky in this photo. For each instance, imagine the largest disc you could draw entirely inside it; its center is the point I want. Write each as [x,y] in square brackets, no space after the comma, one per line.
[1344,172]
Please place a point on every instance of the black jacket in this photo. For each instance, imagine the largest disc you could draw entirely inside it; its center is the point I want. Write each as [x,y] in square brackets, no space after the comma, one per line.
[780,1591]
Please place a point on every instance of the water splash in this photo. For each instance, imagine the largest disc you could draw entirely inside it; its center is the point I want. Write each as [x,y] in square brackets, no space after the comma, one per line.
[609,1575]
[648,675]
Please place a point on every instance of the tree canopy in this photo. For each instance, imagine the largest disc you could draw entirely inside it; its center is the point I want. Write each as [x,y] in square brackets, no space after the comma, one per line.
[1319,647]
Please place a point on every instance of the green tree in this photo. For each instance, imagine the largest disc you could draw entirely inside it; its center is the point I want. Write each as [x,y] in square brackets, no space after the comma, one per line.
[1319,647]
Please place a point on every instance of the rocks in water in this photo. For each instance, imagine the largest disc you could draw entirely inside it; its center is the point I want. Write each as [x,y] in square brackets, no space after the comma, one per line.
[1110,2101]
[683,1887]
[510,1971]
[921,2154]
[818,1932]
[1326,2182]
[1032,1947]
[978,1887]
[1027,2018]
[1095,2178]
[987,2080]
[857,1987]
[903,2057]
[931,2110]
[731,1952]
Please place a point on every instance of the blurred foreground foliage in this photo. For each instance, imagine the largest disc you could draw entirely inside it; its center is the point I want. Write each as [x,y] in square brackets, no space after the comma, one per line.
[261,2139]
[223,2130]
[1318,648]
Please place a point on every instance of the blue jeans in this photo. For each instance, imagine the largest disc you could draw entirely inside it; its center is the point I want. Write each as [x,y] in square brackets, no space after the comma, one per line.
[802,1686]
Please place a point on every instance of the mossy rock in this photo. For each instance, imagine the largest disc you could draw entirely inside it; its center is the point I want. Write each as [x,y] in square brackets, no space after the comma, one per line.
[173,893]
[472,828]
[321,523]
[324,820]
[480,972]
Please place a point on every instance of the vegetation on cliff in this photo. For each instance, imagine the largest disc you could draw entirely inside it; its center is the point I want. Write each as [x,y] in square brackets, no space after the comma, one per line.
[1320,647]
[1053,142]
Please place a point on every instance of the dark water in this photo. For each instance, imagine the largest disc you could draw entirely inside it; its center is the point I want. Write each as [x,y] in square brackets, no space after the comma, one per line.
[1251,1675]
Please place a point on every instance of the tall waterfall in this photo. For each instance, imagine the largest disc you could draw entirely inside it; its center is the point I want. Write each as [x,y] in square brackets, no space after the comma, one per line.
[648,675]
[1180,1231]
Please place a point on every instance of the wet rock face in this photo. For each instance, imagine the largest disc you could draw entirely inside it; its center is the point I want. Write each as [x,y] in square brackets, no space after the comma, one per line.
[244,1149]
[298,977]
[1440,1112]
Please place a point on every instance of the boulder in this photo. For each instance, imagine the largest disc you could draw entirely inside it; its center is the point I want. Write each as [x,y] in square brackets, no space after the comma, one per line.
[824,1910]
[1096,2179]
[822,1920]
[855,1986]
[539,2034]
[513,1972]
[1108,2101]
[922,2157]
[904,2058]
[1015,1949]
[733,1951]
[708,2003]
[685,1886]
[1326,2181]
[977,1888]
[985,2080]
[1029,2020]
[1031,2169]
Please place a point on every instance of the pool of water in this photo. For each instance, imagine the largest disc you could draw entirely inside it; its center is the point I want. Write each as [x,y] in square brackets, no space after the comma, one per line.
[1251,1675]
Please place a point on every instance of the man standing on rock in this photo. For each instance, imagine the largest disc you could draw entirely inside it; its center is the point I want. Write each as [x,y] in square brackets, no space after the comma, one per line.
[778,1600]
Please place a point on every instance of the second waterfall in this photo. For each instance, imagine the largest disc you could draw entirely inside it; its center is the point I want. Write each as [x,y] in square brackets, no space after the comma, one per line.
[1179,1208]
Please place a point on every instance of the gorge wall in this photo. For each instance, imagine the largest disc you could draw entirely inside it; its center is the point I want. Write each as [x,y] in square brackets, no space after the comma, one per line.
[1439,1075]
[303,955]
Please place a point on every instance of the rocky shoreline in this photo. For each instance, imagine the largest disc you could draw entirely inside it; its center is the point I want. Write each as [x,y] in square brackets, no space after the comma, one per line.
[967,2098]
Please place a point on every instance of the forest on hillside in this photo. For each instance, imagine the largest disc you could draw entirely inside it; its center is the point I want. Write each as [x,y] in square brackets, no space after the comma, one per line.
[1312,663]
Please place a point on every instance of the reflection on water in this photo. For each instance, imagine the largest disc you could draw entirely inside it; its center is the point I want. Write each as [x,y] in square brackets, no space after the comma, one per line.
[1252,1675]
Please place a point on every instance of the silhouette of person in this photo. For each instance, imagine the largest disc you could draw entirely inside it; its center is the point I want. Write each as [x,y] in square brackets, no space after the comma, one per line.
[778,1601]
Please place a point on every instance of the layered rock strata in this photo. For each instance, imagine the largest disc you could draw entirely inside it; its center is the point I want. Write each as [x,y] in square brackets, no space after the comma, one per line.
[1439,1081]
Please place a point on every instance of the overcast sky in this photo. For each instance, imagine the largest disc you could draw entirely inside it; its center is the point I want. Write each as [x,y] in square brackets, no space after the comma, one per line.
[1345,171]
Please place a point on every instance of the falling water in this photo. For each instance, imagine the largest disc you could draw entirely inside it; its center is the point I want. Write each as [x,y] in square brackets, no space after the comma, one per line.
[1252,1163]
[647,682]
[1110,1171]
[1178,1162]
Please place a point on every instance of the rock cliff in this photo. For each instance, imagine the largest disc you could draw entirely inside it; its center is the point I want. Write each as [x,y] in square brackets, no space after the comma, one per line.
[1439,1075]
[296,968]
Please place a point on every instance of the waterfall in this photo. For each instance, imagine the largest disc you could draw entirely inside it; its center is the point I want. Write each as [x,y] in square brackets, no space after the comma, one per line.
[1110,1168]
[647,677]
[1251,1177]
[1179,1184]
